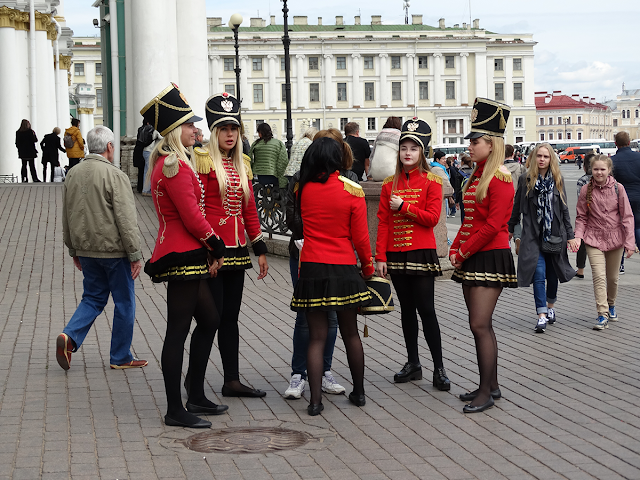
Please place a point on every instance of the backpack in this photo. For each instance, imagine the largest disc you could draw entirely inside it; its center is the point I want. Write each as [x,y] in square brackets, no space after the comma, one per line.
[68,141]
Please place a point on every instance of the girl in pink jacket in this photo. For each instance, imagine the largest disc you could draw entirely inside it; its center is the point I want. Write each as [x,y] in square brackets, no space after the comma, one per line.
[605,223]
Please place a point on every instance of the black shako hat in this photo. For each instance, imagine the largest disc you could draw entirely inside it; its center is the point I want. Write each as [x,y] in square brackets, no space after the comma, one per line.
[488,117]
[168,110]
[222,109]
[417,130]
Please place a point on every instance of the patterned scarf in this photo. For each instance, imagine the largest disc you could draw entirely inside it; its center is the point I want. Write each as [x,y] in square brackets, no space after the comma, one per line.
[544,186]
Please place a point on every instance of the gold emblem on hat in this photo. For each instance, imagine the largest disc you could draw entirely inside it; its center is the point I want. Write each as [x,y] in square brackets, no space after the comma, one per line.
[412,127]
[184,99]
[226,105]
[474,115]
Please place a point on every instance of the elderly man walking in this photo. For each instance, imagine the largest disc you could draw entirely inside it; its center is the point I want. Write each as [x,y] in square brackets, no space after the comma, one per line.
[101,231]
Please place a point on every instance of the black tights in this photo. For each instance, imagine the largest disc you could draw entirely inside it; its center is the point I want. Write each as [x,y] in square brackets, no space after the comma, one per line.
[417,293]
[481,302]
[187,299]
[318,328]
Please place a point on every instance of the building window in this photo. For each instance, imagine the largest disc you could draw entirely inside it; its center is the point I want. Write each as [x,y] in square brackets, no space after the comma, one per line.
[284,92]
[341,63]
[314,92]
[258,123]
[637,113]
[343,123]
[498,64]
[257,93]
[395,62]
[228,64]
[257,64]
[79,68]
[396,91]
[98,68]
[519,122]
[313,63]
[369,91]
[99,97]
[449,61]
[542,137]
[517,91]
[451,90]
[579,135]
[368,63]
[550,135]
[615,122]
[316,123]
[451,126]
[559,120]
[282,63]
[424,90]
[559,135]
[623,114]
[342,92]
[517,64]
[579,121]
[568,135]
[499,87]
[628,114]
[371,123]
[422,62]
[550,120]
[541,120]
[230,89]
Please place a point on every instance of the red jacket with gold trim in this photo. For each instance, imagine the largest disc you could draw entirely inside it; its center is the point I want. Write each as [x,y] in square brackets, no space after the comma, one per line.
[334,219]
[410,228]
[184,235]
[485,223]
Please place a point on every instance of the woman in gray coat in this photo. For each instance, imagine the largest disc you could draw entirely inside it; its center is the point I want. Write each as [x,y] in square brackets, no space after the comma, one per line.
[541,200]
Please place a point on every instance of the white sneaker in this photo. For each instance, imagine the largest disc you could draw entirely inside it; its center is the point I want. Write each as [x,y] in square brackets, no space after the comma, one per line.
[296,387]
[329,384]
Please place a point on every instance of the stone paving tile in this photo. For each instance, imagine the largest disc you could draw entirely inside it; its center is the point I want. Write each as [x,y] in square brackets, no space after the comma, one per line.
[569,406]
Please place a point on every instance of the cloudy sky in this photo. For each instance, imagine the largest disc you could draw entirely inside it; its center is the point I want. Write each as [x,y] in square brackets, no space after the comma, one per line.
[589,47]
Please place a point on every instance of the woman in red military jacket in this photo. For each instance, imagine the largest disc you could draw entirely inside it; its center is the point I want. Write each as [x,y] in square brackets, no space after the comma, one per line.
[481,253]
[410,206]
[231,210]
[329,279]
[187,251]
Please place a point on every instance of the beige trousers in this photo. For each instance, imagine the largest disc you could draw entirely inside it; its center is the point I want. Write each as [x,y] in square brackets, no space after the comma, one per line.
[605,270]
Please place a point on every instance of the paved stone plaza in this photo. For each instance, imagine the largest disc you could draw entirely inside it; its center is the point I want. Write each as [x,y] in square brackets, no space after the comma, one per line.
[568,408]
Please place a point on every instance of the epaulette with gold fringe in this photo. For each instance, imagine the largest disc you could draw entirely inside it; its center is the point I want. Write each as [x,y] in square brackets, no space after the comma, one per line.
[203,162]
[352,187]
[247,165]
[503,174]
[389,179]
[434,177]
[171,166]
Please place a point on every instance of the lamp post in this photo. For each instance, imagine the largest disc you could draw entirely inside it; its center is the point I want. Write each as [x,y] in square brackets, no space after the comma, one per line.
[234,23]
[566,120]
[286,41]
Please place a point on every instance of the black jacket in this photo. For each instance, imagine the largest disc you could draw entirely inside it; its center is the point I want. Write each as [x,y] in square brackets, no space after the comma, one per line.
[50,145]
[626,170]
[25,141]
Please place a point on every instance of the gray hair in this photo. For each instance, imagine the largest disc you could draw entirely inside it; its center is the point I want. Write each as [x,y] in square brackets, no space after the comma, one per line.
[98,138]
[310,133]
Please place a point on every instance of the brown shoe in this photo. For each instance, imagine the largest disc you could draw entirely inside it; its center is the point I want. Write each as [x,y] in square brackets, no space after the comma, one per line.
[64,346]
[517,246]
[135,363]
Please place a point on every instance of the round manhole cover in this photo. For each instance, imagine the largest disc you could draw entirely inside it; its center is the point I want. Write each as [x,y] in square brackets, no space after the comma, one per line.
[247,440]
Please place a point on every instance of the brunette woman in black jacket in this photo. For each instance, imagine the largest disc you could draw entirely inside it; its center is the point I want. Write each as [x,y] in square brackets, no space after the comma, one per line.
[25,142]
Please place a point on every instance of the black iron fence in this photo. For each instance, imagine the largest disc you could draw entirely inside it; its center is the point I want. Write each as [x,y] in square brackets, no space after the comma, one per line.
[271,204]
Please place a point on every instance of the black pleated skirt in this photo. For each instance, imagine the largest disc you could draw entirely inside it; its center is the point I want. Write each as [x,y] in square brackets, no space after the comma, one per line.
[493,268]
[423,262]
[327,287]
[236,259]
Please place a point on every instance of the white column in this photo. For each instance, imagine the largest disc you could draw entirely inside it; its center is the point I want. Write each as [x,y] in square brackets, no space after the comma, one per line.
[356,86]
[214,74]
[246,97]
[134,119]
[438,96]
[411,79]
[274,95]
[192,60]
[464,79]
[328,84]
[10,111]
[85,115]
[491,89]
[301,86]
[384,88]
[508,80]
[481,74]
[44,77]
[529,95]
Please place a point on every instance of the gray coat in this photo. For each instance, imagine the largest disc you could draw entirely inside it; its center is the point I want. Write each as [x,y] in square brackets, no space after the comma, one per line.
[525,205]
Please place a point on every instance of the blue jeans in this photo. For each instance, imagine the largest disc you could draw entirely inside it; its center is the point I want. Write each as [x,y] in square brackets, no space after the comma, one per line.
[146,186]
[545,270]
[101,277]
[301,334]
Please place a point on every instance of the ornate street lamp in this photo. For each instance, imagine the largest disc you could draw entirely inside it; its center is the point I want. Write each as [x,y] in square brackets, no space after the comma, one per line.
[234,23]
[566,120]
[286,41]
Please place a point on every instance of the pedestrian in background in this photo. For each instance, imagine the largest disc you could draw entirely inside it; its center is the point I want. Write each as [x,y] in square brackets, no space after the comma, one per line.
[605,223]
[25,143]
[143,140]
[297,151]
[147,151]
[516,171]
[541,202]
[581,256]
[385,150]
[269,158]
[74,144]
[360,148]
[50,145]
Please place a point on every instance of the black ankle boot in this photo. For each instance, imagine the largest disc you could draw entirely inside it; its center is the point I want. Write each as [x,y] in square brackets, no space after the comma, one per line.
[410,371]
[440,379]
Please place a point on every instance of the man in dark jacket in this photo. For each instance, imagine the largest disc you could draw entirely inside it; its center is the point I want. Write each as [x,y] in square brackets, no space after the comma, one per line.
[144,139]
[50,145]
[359,147]
[626,170]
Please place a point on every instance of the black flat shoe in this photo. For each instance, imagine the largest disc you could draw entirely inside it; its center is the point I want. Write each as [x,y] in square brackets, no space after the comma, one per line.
[470,396]
[213,410]
[440,380]
[253,393]
[314,410]
[410,371]
[357,400]
[479,408]
[198,423]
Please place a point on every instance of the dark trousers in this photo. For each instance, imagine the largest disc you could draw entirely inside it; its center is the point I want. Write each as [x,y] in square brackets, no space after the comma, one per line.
[73,162]
[32,168]
[581,256]
[226,289]
[140,179]
[44,172]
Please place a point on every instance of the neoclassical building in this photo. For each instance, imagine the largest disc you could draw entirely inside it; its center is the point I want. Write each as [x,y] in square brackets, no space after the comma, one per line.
[35,56]
[626,112]
[86,78]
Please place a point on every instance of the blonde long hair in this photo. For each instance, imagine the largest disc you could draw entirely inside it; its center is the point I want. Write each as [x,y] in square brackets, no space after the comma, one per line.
[236,154]
[170,143]
[495,159]
[423,165]
[554,167]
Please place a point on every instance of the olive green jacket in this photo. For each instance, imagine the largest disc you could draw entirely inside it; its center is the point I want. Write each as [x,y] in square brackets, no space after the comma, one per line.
[269,158]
